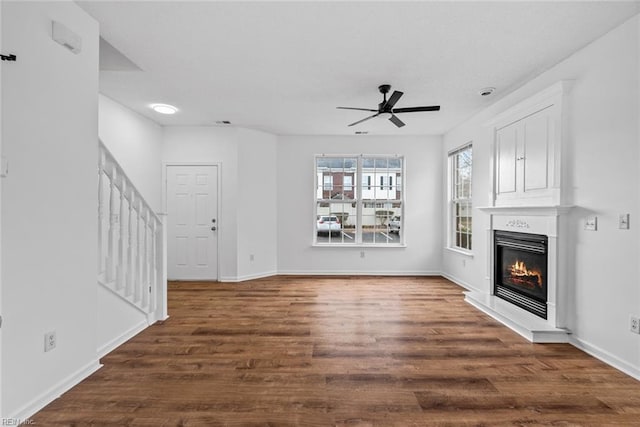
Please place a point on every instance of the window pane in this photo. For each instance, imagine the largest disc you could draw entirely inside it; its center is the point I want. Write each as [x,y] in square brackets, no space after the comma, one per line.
[336,177]
[335,223]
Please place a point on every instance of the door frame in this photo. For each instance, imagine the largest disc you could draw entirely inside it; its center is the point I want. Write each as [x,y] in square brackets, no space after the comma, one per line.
[218,165]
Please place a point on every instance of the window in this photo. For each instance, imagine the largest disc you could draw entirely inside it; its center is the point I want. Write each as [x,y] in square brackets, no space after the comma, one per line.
[460,165]
[364,213]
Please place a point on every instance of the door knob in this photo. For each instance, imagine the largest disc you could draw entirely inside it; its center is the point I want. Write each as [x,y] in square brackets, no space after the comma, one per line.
[213,228]
[213,220]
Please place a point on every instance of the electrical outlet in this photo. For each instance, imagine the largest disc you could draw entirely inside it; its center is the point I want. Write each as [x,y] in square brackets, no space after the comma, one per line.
[591,223]
[361,254]
[252,258]
[49,341]
[634,324]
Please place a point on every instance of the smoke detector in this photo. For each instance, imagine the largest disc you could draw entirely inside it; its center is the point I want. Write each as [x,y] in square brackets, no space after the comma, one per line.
[486,91]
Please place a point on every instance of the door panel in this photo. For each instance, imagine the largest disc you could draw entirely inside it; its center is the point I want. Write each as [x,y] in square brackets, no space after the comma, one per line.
[192,206]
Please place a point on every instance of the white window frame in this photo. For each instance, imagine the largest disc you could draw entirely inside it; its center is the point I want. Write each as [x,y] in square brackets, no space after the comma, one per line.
[358,201]
[456,199]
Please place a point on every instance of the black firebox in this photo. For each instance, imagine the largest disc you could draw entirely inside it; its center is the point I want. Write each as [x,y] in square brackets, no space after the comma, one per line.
[521,270]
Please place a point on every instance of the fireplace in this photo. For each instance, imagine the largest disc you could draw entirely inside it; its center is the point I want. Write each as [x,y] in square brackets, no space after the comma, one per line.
[521,270]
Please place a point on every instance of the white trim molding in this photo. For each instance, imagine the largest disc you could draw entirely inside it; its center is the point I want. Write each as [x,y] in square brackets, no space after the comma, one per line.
[42,400]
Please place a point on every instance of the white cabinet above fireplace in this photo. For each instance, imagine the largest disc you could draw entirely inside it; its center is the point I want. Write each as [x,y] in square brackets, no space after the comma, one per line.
[526,165]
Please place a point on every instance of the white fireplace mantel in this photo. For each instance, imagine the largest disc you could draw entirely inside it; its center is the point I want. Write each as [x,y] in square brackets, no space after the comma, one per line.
[527,196]
[527,210]
[544,220]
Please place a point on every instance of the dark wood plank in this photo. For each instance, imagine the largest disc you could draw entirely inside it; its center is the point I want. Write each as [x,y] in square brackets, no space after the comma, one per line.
[340,351]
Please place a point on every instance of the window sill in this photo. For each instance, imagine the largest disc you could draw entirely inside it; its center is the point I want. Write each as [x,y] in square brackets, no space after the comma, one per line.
[468,254]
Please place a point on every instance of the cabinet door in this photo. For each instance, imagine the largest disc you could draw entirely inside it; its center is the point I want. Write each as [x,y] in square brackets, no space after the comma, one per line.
[536,134]
[506,154]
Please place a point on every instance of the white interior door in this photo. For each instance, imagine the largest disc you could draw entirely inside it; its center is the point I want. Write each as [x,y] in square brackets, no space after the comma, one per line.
[192,235]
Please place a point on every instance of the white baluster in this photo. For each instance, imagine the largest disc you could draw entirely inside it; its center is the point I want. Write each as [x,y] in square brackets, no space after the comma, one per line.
[130,249]
[122,243]
[101,254]
[139,283]
[113,221]
[146,281]
[154,266]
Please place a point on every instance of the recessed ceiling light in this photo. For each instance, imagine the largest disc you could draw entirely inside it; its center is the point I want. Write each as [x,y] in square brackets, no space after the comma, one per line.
[487,91]
[164,108]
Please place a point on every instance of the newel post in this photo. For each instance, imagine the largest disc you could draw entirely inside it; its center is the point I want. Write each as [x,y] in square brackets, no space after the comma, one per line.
[161,268]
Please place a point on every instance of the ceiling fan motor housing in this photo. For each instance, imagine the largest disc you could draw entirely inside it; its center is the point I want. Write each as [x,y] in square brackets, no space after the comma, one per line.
[384,89]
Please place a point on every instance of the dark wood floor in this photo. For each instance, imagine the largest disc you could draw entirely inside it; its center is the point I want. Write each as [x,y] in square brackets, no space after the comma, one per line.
[356,351]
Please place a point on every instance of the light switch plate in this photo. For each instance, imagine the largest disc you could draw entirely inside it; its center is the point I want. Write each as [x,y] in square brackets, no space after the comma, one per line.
[4,167]
[591,223]
[623,222]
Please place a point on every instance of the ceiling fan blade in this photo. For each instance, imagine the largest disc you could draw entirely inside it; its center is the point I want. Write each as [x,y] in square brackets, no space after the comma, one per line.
[415,109]
[365,119]
[353,108]
[396,121]
[395,96]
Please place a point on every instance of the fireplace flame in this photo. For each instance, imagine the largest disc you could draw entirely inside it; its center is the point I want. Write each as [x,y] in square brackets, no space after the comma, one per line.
[519,270]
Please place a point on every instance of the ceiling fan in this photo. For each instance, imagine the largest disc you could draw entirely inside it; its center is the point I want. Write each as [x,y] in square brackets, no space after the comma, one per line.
[385,108]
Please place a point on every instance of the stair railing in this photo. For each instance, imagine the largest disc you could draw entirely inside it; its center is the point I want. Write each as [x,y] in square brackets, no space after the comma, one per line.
[131,241]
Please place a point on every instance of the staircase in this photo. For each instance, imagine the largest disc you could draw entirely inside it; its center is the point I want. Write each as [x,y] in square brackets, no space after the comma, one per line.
[131,241]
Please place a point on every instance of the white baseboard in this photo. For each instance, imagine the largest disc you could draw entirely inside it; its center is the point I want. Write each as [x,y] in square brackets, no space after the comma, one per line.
[54,392]
[460,282]
[248,277]
[107,348]
[357,273]
[233,279]
[606,357]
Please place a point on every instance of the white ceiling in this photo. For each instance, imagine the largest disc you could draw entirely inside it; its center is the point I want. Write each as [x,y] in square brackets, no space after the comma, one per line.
[284,67]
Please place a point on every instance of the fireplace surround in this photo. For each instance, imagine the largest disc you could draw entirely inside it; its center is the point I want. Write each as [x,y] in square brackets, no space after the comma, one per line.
[546,226]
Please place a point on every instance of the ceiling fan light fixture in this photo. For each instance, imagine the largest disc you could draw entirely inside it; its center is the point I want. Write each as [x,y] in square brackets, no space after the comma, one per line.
[385,115]
[164,108]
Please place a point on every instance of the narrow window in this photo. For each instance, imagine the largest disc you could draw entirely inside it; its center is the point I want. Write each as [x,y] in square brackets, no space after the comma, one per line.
[460,164]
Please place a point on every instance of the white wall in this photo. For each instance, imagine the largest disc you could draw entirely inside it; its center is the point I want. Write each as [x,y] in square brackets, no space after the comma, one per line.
[257,208]
[136,143]
[422,216]
[49,228]
[602,179]
[1,152]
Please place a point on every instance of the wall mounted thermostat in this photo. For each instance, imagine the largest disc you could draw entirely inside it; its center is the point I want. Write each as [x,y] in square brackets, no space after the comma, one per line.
[66,37]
